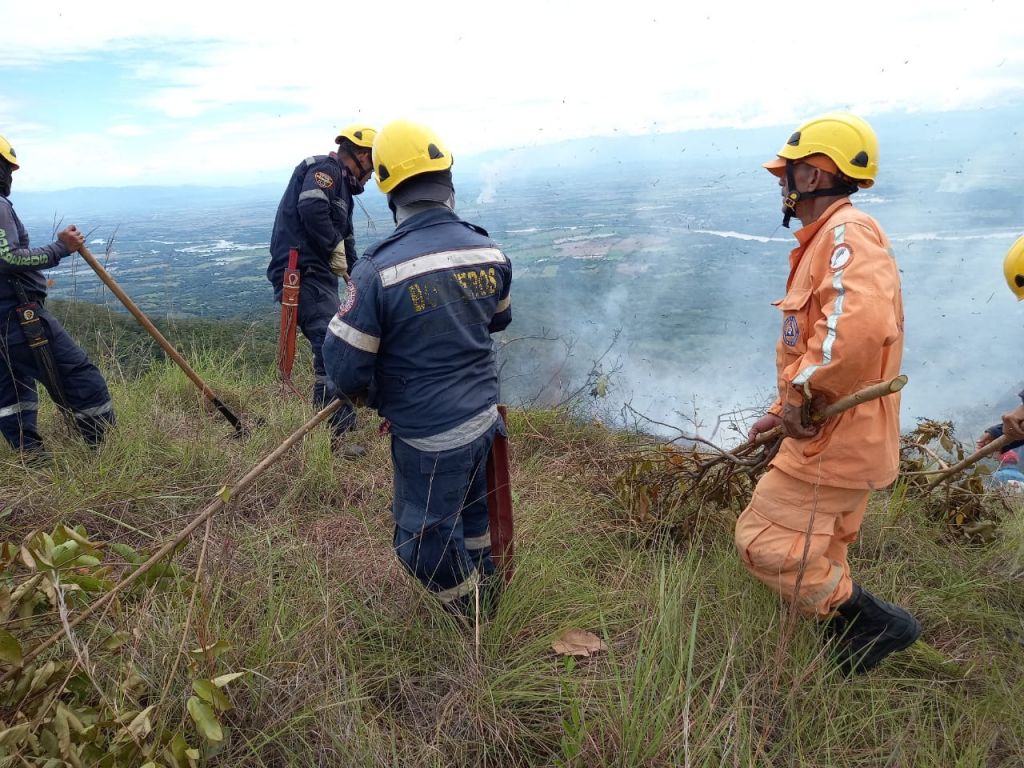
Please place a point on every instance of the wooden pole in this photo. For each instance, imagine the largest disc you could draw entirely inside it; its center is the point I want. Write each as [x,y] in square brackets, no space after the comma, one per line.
[223,498]
[873,392]
[974,458]
[146,323]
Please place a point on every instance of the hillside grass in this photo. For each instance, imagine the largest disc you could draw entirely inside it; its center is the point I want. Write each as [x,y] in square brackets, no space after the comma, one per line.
[350,663]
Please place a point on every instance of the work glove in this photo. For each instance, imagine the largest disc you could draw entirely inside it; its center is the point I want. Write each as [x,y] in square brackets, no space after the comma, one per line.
[339,261]
[798,420]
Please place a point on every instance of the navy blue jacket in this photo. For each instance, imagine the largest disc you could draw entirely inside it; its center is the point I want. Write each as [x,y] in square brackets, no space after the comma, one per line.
[416,328]
[314,215]
[20,262]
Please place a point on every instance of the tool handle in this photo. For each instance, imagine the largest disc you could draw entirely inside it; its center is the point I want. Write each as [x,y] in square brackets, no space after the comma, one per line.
[872,392]
[146,323]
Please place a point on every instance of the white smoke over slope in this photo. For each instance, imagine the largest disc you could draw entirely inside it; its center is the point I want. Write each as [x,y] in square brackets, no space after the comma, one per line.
[697,256]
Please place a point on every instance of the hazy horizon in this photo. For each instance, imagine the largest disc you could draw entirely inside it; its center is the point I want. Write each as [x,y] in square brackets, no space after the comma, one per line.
[674,241]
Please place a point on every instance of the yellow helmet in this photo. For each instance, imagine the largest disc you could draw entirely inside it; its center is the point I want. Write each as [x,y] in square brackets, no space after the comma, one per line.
[1013,268]
[7,152]
[360,135]
[403,150]
[844,138]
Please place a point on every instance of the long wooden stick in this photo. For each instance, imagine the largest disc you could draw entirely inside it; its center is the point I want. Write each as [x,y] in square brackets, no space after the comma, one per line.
[873,392]
[974,458]
[146,323]
[223,497]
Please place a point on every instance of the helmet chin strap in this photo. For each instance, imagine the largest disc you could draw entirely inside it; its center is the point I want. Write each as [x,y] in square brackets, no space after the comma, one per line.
[356,181]
[794,195]
[364,170]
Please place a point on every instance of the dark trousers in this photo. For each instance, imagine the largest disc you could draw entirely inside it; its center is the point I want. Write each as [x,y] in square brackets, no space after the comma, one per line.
[318,304]
[86,391]
[440,511]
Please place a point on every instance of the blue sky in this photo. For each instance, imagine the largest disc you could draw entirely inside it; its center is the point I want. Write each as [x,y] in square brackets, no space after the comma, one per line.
[103,93]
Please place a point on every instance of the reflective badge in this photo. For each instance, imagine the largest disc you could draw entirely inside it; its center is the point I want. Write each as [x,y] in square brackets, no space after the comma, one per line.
[323,180]
[790,331]
[350,300]
[842,255]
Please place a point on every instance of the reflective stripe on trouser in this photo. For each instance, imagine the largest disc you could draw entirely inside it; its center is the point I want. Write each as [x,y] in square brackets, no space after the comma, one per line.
[86,391]
[787,516]
[440,505]
[317,306]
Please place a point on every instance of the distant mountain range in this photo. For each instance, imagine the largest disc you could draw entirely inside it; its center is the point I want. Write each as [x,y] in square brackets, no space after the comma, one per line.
[958,139]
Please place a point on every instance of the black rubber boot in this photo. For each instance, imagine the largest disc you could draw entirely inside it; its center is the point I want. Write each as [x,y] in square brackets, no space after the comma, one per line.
[869,629]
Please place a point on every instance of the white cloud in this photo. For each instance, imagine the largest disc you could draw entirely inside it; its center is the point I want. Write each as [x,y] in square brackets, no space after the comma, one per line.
[488,75]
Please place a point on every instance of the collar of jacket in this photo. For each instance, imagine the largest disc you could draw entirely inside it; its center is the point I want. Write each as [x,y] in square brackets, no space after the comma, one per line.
[804,235]
[429,218]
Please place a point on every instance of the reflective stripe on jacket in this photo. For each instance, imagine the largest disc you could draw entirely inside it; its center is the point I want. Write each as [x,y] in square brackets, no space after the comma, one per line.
[422,305]
[842,330]
[20,262]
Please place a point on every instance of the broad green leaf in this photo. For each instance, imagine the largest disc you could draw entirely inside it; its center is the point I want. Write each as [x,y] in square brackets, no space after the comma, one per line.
[63,730]
[48,740]
[116,640]
[211,694]
[127,552]
[179,747]
[89,583]
[13,736]
[206,721]
[10,648]
[182,754]
[42,676]
[63,554]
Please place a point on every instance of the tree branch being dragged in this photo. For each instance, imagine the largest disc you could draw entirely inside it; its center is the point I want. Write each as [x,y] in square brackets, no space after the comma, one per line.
[669,484]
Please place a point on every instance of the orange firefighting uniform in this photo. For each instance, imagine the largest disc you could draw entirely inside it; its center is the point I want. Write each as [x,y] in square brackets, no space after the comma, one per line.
[842,330]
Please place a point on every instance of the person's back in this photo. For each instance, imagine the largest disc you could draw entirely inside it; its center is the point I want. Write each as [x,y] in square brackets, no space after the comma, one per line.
[414,336]
[440,281]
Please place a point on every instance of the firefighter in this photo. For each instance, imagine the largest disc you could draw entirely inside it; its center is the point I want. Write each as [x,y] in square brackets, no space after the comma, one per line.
[33,344]
[315,216]
[1013,421]
[414,337]
[842,329]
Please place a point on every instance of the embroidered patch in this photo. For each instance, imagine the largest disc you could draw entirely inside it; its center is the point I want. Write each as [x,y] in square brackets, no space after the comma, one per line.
[350,300]
[790,331]
[323,180]
[842,255]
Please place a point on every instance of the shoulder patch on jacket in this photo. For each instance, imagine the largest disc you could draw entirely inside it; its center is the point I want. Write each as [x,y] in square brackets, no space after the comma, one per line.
[841,256]
[323,180]
[350,299]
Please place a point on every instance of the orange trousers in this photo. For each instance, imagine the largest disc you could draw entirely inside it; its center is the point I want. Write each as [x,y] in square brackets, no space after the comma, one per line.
[794,537]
